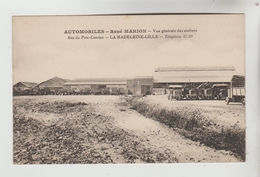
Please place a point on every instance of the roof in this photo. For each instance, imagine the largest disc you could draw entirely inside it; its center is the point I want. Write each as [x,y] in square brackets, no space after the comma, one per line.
[100,80]
[215,68]
[143,77]
[26,84]
[95,83]
[53,82]
[193,76]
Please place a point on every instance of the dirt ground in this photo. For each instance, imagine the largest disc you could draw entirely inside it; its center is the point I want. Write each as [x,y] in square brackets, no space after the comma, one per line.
[103,129]
[215,110]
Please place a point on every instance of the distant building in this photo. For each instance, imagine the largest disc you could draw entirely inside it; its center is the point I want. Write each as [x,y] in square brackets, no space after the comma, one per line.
[210,68]
[23,87]
[53,85]
[20,86]
[188,77]
[192,76]
[137,85]
[140,85]
[96,85]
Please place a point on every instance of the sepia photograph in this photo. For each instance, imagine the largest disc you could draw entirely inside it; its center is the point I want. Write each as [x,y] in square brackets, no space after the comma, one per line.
[129,89]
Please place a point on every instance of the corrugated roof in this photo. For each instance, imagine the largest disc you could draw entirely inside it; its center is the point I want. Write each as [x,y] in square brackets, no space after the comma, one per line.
[100,80]
[198,80]
[215,68]
[53,82]
[95,83]
[193,76]
[27,84]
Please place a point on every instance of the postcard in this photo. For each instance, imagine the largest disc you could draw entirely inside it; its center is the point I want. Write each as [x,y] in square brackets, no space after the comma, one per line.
[121,89]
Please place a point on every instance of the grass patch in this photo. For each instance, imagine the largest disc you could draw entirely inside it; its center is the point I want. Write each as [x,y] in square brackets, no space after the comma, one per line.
[193,125]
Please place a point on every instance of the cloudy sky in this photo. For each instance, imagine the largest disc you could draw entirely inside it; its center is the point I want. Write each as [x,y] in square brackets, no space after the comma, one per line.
[41,50]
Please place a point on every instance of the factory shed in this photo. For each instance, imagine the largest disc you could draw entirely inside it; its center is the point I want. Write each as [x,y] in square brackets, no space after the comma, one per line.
[193,75]
[93,83]
[53,85]
[23,88]
[97,81]
[90,80]
[20,86]
[210,68]
[96,85]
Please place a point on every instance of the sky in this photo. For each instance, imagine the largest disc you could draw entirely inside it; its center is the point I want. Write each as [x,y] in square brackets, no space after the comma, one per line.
[41,50]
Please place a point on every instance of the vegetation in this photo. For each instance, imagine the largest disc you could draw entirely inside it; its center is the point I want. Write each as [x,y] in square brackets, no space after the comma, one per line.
[193,125]
[75,134]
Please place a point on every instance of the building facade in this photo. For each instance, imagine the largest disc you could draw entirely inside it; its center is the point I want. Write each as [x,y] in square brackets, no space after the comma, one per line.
[142,85]
[158,84]
[21,86]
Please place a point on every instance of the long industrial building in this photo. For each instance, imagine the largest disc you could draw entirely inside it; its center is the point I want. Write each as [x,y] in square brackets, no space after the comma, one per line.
[96,85]
[156,84]
[165,76]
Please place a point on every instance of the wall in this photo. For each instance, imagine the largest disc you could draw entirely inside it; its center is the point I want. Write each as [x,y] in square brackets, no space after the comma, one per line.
[142,81]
